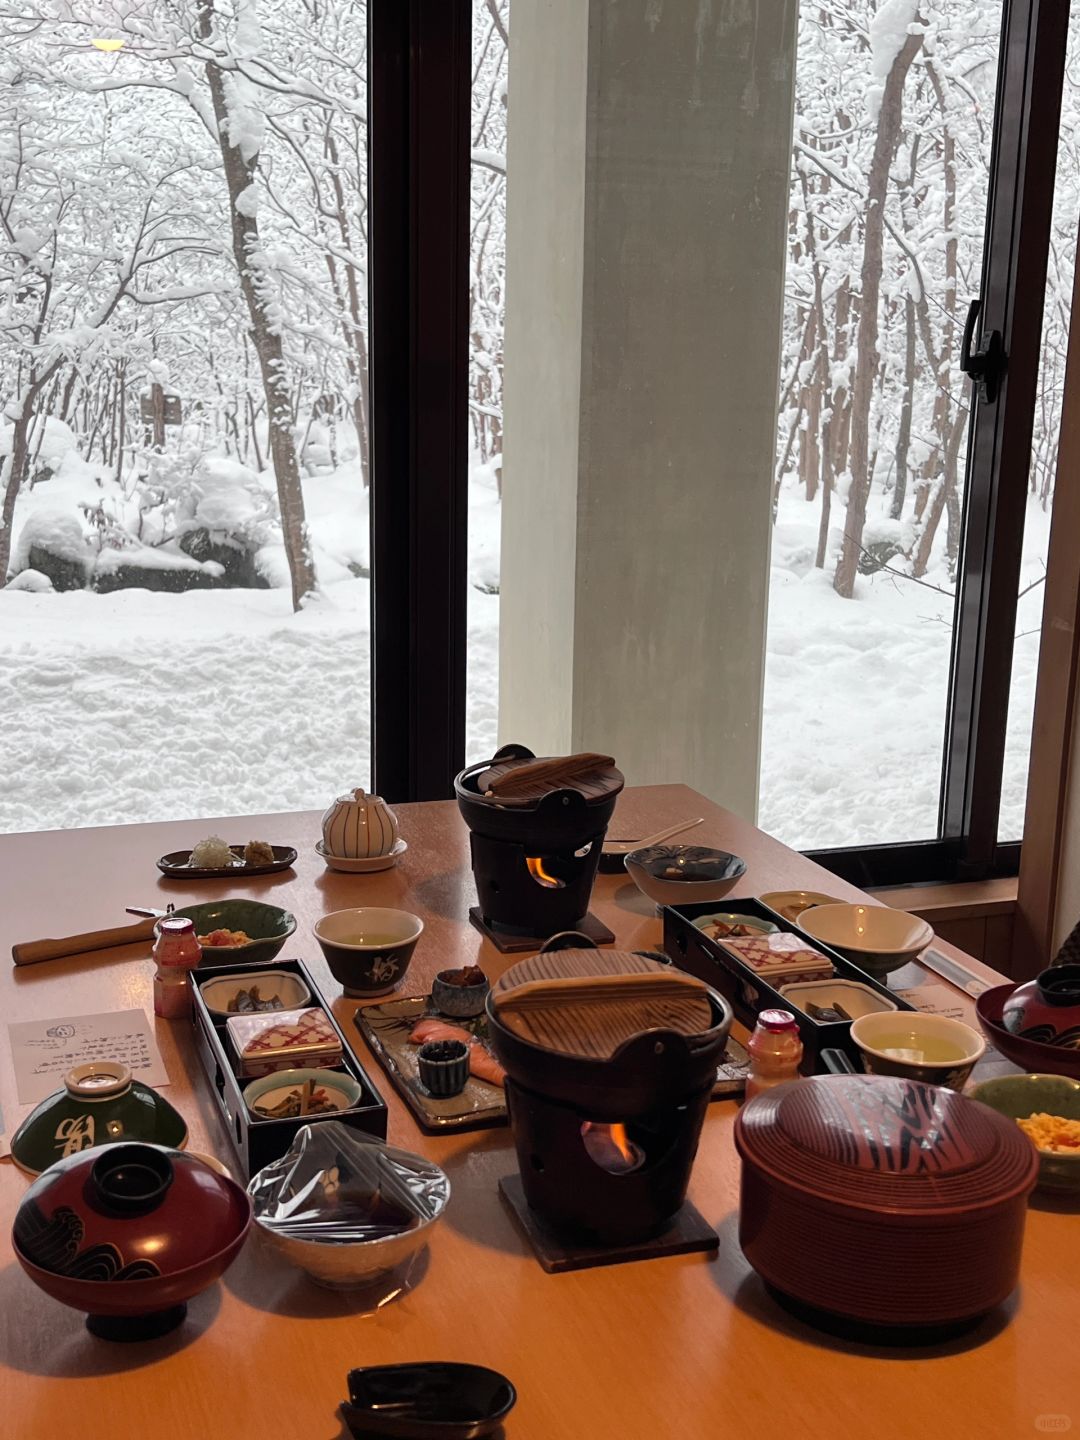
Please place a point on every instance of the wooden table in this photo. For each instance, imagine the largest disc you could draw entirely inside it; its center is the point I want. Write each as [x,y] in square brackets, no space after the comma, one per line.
[689,1348]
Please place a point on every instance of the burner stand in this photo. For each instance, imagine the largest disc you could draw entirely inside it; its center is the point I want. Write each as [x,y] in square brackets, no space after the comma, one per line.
[687,1232]
[511,942]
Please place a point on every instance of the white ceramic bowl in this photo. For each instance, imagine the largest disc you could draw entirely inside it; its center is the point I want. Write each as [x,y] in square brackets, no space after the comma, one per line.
[684,874]
[856,999]
[877,938]
[289,988]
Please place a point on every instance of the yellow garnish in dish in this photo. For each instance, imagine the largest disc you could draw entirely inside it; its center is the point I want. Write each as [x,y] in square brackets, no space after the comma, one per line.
[1053,1133]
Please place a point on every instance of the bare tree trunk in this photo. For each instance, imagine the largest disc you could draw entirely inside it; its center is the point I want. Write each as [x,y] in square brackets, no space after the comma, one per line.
[239,175]
[903,434]
[945,497]
[16,468]
[888,132]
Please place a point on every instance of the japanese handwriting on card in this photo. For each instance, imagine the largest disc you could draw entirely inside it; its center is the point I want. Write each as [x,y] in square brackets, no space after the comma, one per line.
[43,1051]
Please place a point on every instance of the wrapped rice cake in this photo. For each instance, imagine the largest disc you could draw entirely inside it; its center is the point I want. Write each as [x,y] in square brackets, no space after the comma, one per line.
[780,959]
[282,1040]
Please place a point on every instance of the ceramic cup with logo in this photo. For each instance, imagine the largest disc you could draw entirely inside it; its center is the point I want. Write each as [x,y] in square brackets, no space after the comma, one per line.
[914,1046]
[358,826]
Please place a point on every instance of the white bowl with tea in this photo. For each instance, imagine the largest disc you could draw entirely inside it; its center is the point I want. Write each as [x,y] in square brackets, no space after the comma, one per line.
[916,1046]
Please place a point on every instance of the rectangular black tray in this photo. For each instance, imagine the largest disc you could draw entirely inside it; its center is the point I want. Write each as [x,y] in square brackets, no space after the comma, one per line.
[692,950]
[256,1139]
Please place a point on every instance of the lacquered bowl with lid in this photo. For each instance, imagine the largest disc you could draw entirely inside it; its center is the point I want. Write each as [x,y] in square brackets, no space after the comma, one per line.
[100,1104]
[880,1202]
[1034,1055]
[129,1234]
[1046,1009]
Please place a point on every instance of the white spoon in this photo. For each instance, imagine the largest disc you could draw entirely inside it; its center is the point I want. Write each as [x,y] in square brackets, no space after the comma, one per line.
[625,847]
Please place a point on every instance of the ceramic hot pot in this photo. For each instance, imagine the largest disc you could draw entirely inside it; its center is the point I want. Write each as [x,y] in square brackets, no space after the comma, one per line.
[130,1233]
[876,1204]
[1046,1009]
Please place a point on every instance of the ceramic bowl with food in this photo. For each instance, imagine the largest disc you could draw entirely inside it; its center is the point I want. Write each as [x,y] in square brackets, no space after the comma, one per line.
[730,925]
[460,992]
[218,923]
[877,938]
[258,991]
[100,1104]
[1029,1054]
[368,949]
[845,999]
[917,1046]
[129,1234]
[684,874]
[345,1208]
[280,1096]
[1023,1097]
[793,903]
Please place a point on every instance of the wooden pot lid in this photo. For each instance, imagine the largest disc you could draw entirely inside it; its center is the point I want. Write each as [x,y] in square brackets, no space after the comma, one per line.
[880,1143]
[590,1002]
[519,781]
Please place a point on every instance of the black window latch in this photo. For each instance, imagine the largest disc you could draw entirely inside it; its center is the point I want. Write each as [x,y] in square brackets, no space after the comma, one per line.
[988,363]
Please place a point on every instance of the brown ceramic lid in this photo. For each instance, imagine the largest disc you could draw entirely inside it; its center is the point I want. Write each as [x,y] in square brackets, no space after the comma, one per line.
[521,781]
[879,1143]
[590,1002]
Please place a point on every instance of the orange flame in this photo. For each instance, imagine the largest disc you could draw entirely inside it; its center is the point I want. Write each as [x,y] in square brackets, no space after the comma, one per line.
[610,1147]
[540,875]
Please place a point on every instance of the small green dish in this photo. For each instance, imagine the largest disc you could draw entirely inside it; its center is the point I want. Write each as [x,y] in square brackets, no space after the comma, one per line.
[100,1104]
[1019,1096]
[268,925]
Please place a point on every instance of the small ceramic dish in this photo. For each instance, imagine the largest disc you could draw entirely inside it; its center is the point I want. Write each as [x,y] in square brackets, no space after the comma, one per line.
[368,949]
[1018,1097]
[368,865]
[222,993]
[270,1091]
[458,1000]
[877,938]
[443,1067]
[684,874]
[736,925]
[100,1104]
[177,865]
[1029,1054]
[793,903]
[269,926]
[853,998]
[429,1400]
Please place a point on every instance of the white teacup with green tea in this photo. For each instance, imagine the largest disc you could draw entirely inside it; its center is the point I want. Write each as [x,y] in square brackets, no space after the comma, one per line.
[917,1046]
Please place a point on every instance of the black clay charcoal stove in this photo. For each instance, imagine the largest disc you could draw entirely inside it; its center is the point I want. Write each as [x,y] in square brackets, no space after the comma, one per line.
[536,831]
[611,1060]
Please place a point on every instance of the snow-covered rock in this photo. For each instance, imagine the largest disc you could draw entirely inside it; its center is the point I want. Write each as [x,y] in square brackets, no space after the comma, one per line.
[32,581]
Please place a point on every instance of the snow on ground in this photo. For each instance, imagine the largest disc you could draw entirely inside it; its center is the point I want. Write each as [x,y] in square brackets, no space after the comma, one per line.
[139,706]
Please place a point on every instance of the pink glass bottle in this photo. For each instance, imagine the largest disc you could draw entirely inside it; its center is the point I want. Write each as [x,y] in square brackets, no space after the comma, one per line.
[775,1051]
[176,953]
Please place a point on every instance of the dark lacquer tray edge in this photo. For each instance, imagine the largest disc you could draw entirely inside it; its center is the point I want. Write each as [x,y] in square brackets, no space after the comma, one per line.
[173,870]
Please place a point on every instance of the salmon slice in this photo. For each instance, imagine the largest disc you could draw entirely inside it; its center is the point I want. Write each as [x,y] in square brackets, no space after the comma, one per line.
[482,1063]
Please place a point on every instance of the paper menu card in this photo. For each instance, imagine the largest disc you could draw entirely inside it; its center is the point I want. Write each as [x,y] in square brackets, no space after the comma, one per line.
[936,1000]
[43,1051]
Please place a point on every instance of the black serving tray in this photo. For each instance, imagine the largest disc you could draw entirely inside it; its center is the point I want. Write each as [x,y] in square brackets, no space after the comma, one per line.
[692,950]
[258,1140]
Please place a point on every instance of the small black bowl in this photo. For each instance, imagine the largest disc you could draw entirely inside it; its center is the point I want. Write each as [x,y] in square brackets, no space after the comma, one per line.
[444,1067]
[431,1400]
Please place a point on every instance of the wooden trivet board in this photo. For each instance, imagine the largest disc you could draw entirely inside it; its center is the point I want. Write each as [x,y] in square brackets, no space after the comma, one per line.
[688,1232]
[512,944]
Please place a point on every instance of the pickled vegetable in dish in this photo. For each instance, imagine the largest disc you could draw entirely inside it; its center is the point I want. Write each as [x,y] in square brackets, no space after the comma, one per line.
[467,975]
[723,929]
[221,939]
[212,854]
[1052,1132]
[306,1099]
[258,852]
[248,1002]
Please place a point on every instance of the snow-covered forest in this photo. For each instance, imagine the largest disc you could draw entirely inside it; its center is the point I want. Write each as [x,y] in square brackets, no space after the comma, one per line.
[184,378]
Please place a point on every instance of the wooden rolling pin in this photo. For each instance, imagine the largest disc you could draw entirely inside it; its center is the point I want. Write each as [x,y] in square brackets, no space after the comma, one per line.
[31,952]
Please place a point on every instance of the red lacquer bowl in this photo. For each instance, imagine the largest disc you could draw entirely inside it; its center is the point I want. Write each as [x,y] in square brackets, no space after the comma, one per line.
[129,1234]
[1046,1009]
[1032,1055]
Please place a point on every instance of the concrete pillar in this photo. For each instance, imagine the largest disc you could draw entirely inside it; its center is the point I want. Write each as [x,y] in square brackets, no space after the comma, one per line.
[649,153]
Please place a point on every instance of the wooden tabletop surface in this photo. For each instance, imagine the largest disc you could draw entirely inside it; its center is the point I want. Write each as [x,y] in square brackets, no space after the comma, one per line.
[689,1348]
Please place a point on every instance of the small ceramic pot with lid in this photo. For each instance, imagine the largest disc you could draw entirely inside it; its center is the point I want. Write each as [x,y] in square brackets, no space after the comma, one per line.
[357,826]
[872,1201]
[100,1104]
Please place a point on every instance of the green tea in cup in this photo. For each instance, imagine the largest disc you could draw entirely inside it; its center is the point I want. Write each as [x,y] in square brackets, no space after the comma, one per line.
[917,1049]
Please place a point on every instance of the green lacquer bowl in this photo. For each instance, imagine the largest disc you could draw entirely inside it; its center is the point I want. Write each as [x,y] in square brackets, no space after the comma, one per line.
[268,925]
[1019,1096]
[100,1104]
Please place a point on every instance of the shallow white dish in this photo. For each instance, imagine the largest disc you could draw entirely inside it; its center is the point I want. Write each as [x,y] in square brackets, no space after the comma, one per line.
[289,988]
[856,998]
[367,866]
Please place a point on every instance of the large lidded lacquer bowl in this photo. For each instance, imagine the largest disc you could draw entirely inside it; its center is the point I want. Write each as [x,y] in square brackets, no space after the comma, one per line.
[129,1234]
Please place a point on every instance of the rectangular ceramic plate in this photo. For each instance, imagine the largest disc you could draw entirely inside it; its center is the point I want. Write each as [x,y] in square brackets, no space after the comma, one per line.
[386,1029]
[178,866]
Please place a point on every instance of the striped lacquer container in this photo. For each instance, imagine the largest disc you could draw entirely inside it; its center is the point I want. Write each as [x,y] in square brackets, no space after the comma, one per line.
[357,826]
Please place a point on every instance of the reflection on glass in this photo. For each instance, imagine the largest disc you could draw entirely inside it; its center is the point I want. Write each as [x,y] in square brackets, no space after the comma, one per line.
[888,205]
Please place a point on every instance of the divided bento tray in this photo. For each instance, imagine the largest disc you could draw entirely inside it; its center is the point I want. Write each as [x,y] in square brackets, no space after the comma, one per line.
[697,953]
[260,1139]
[386,1027]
